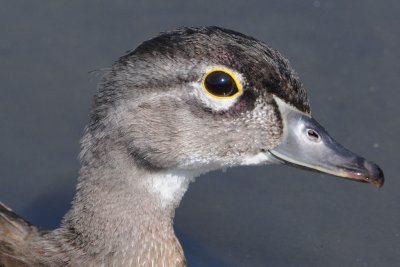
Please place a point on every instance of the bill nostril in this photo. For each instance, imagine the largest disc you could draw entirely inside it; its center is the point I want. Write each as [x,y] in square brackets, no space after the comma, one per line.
[313,135]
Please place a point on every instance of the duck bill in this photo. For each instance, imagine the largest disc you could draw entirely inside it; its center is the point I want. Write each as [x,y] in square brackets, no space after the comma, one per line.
[306,144]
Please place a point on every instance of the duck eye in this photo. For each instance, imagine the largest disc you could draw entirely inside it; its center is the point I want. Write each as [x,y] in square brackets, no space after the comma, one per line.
[220,84]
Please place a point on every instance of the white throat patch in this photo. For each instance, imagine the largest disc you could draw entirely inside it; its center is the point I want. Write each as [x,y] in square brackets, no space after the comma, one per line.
[259,159]
[170,185]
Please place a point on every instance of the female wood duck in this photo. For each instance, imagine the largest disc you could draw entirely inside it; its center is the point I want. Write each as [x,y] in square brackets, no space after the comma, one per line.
[181,104]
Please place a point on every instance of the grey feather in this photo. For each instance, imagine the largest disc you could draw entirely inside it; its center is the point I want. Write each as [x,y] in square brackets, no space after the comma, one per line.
[148,136]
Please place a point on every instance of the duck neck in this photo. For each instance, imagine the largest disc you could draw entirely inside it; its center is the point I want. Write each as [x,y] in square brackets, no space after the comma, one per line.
[122,214]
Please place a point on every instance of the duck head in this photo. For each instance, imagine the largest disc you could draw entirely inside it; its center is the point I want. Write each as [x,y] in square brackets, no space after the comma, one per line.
[208,98]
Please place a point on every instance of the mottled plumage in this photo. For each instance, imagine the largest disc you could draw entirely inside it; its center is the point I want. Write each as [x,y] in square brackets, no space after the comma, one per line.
[152,130]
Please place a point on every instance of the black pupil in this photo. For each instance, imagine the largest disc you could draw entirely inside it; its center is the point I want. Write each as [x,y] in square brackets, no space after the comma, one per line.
[220,83]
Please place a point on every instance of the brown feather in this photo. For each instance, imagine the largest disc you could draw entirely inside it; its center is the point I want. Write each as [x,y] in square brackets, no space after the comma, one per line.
[14,232]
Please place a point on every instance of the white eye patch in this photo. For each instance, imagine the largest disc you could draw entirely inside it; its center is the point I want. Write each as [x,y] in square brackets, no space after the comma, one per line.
[217,103]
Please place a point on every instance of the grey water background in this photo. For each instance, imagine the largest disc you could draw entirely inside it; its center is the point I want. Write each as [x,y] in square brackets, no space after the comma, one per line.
[347,53]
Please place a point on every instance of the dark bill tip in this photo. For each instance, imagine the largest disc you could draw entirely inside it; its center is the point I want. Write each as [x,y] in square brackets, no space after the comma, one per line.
[306,144]
[375,174]
[358,170]
[362,170]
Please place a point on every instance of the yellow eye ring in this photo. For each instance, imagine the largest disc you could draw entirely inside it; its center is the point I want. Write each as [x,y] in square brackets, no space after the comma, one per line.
[221,83]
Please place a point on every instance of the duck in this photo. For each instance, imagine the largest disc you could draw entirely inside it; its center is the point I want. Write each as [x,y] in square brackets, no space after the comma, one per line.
[186,102]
